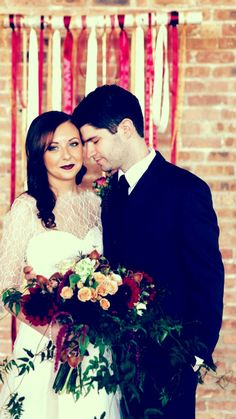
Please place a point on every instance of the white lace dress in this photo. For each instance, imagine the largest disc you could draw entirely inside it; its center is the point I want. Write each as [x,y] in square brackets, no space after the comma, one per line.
[26,241]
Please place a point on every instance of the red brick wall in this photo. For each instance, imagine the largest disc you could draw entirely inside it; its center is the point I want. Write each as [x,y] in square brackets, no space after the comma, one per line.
[207,146]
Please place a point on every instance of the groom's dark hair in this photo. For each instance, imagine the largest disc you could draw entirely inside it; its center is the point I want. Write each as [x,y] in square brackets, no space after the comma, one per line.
[106,107]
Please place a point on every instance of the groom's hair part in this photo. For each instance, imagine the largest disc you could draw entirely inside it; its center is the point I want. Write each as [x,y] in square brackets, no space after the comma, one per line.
[106,107]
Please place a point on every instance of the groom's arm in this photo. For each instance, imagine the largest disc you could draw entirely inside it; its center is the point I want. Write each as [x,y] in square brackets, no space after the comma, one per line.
[203,262]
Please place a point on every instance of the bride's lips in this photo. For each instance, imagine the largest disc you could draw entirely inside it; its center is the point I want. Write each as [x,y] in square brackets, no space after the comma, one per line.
[67,167]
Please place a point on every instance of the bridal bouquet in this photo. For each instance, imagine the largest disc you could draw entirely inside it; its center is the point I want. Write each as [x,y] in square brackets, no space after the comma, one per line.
[93,305]
[116,312]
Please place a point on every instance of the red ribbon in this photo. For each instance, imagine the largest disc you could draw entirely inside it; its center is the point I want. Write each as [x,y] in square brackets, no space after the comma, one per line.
[14,72]
[41,51]
[112,50]
[174,87]
[67,68]
[81,51]
[124,54]
[149,81]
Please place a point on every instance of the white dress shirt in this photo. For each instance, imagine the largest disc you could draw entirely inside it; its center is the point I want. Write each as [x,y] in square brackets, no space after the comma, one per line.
[135,172]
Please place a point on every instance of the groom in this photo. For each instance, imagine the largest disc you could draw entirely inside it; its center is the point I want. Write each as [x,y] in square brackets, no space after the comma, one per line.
[163,224]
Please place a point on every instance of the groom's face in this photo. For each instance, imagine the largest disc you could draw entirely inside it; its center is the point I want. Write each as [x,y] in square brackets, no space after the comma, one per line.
[105,148]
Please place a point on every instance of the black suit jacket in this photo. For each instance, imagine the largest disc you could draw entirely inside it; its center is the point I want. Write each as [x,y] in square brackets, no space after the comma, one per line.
[169,230]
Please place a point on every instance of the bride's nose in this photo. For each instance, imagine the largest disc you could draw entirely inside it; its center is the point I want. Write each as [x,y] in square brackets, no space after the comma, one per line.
[65,153]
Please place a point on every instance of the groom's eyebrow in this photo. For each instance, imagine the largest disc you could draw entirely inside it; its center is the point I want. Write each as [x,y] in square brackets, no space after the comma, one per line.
[90,139]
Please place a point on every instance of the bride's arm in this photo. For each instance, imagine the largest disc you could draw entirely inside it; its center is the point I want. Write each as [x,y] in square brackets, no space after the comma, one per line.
[18,227]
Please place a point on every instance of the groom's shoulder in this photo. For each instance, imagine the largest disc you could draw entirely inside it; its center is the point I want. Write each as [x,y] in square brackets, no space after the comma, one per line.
[180,177]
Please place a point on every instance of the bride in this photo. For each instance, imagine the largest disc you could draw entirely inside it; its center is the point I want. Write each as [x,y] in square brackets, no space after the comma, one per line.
[53,220]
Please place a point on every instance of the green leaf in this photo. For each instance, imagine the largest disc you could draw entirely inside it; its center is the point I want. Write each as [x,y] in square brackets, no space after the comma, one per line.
[29,352]
[73,278]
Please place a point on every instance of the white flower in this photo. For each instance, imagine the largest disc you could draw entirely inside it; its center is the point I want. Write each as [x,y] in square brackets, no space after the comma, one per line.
[140,307]
[84,268]
[65,265]
[117,278]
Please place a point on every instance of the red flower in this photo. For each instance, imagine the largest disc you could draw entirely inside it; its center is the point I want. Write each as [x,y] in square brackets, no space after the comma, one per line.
[38,307]
[101,181]
[135,291]
[148,278]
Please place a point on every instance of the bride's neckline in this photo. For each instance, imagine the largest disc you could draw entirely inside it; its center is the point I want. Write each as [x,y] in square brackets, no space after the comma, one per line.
[53,231]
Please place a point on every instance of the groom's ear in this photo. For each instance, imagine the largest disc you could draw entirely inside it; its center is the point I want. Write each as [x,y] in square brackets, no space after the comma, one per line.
[126,128]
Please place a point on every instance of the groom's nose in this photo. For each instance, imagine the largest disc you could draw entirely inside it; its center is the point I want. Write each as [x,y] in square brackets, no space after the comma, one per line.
[90,150]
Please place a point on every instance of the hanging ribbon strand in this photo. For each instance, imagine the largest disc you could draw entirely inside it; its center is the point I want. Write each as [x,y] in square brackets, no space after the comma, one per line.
[161,105]
[23,96]
[56,71]
[67,68]
[150,137]
[33,78]
[180,96]
[14,68]
[139,66]
[41,59]
[124,54]
[112,53]
[81,56]
[92,52]
[174,18]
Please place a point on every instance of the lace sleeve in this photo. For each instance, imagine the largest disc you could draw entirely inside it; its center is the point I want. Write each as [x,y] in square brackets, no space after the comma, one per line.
[17,229]
[94,209]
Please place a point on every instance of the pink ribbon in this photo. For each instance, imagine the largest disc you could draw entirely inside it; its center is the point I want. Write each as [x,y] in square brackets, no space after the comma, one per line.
[124,54]
[67,68]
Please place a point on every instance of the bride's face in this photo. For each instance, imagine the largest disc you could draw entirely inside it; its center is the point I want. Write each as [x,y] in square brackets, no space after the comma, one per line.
[63,156]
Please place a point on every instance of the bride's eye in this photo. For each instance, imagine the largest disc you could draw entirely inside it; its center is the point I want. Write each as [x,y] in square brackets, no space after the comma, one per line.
[51,147]
[74,144]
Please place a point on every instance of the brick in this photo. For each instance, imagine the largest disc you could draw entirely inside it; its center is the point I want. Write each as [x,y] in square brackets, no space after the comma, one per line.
[215,57]
[204,100]
[222,156]
[192,156]
[227,43]
[227,253]
[199,72]
[229,29]
[225,15]
[224,72]
[201,44]
[192,142]
[230,142]
[228,114]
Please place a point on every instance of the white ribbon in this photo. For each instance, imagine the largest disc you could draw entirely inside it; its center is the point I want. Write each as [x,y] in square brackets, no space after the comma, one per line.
[161,102]
[92,52]
[56,71]
[139,77]
[33,79]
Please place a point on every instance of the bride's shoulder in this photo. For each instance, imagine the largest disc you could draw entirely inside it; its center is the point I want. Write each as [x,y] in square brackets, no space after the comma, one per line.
[90,197]
[23,202]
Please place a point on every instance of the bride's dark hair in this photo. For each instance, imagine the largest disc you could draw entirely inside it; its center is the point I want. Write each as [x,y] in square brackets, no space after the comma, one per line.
[39,134]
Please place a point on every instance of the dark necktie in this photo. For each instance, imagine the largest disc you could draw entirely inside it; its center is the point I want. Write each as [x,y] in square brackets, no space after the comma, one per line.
[123,187]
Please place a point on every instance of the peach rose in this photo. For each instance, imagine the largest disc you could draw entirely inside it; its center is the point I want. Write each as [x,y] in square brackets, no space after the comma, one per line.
[102,289]
[99,277]
[93,295]
[41,280]
[104,303]
[94,254]
[84,294]
[66,293]
[117,278]
[112,287]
